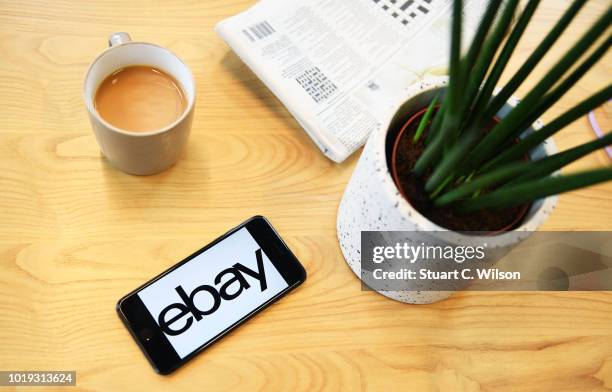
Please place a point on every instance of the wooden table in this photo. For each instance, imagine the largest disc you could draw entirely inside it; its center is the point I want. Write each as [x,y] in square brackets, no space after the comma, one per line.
[76,235]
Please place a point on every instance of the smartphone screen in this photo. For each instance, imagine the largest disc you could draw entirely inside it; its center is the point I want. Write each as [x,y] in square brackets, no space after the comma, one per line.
[209,293]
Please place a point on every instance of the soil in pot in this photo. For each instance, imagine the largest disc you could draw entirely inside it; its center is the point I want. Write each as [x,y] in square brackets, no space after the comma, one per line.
[404,155]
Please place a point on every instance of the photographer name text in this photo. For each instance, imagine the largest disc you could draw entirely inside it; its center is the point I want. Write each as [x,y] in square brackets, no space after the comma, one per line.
[456,274]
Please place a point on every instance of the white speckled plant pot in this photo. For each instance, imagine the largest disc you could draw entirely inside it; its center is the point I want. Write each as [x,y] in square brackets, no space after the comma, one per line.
[372,202]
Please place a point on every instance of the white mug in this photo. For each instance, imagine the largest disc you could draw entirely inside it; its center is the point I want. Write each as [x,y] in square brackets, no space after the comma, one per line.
[141,153]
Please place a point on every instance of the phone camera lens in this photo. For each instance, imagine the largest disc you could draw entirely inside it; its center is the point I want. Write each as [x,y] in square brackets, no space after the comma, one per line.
[146,334]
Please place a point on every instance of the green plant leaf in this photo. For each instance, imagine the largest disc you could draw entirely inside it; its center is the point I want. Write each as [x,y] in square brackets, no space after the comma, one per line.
[425,119]
[448,165]
[440,188]
[553,35]
[457,152]
[552,97]
[500,133]
[486,92]
[533,190]
[483,181]
[455,53]
[481,33]
[535,138]
[451,112]
[476,75]
[552,163]
[437,122]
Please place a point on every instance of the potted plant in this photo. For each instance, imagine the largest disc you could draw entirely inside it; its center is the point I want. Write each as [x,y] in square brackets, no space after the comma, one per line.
[458,157]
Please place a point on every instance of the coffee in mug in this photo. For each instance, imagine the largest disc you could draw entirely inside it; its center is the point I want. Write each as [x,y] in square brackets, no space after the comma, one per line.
[140,98]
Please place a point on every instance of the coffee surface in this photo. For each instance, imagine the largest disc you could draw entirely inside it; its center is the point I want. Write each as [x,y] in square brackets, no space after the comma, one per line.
[140,99]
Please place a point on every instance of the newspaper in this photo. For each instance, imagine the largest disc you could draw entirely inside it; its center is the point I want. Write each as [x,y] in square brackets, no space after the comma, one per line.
[341,66]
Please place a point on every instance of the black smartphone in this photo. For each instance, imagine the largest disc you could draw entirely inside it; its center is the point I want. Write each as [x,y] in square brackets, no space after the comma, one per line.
[201,299]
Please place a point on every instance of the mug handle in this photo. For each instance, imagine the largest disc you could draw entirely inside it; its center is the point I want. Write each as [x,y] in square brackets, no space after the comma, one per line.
[118,38]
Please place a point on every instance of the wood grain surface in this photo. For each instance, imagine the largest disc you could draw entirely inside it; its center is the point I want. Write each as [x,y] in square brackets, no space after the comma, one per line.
[76,235]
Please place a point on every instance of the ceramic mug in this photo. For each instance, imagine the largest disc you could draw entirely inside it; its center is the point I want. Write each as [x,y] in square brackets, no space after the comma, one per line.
[141,153]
